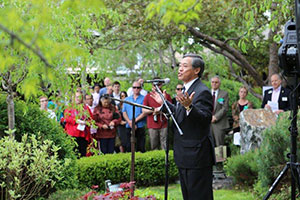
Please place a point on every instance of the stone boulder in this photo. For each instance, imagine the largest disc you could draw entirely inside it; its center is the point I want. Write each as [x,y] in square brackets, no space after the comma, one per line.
[252,124]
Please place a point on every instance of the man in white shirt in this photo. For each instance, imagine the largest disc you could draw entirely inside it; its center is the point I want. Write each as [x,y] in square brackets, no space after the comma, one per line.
[276,98]
[96,95]
[116,91]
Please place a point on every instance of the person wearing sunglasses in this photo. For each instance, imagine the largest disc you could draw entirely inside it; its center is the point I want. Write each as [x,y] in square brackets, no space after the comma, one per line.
[178,90]
[142,92]
[140,120]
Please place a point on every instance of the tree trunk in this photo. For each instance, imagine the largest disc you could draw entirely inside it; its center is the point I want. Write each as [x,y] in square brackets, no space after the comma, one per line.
[11,112]
[273,60]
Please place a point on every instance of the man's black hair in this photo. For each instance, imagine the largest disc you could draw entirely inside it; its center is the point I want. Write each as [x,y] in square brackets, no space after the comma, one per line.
[197,62]
[116,83]
[96,84]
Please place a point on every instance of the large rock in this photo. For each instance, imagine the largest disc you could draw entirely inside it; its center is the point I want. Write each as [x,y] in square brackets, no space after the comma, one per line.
[252,124]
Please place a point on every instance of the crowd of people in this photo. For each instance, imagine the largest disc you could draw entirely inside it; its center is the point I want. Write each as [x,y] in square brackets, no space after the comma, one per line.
[96,115]
[200,112]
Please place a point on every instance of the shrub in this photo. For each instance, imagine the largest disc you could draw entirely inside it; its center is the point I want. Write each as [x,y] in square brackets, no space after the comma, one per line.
[274,148]
[272,155]
[149,169]
[243,168]
[29,168]
[29,119]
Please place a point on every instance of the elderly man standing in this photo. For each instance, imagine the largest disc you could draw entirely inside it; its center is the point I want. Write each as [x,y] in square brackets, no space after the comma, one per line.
[106,84]
[276,98]
[219,122]
[139,118]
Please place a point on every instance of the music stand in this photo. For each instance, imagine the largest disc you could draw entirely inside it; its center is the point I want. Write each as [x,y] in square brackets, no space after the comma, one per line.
[167,145]
[132,138]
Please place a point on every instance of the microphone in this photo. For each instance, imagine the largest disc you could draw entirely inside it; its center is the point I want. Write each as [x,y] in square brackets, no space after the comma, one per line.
[156,81]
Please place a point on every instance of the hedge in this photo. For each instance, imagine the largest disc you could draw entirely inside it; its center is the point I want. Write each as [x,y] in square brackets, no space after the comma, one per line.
[149,169]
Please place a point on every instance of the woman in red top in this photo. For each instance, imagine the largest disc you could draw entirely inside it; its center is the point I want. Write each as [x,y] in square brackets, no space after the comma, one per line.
[76,118]
[107,118]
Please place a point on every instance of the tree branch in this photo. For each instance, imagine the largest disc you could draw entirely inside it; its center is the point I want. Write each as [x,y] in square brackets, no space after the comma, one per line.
[234,52]
[220,51]
[35,51]
[193,6]
[232,72]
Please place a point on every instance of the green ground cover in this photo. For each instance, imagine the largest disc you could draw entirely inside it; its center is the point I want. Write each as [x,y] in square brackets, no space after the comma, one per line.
[174,193]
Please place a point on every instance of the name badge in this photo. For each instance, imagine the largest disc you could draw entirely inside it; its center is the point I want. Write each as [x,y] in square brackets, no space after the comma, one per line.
[81,127]
[270,92]
[284,98]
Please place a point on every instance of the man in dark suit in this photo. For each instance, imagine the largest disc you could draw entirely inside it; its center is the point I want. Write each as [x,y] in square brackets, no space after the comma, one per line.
[193,151]
[277,95]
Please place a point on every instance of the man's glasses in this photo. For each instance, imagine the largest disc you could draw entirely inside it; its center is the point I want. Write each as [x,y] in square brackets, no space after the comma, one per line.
[136,87]
[178,88]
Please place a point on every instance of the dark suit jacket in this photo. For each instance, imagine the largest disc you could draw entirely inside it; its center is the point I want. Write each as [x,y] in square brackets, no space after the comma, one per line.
[283,100]
[194,149]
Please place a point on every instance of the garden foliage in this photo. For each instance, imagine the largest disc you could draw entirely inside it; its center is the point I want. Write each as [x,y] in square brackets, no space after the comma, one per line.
[274,149]
[149,169]
[264,165]
[29,168]
[30,120]
[243,168]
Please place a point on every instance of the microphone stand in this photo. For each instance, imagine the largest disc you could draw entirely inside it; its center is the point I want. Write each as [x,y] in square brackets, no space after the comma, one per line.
[132,138]
[167,142]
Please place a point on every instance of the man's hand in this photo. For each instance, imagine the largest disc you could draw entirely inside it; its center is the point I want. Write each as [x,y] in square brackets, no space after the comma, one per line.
[156,111]
[112,123]
[213,119]
[155,95]
[184,99]
[278,111]
[268,107]
[130,124]
[105,126]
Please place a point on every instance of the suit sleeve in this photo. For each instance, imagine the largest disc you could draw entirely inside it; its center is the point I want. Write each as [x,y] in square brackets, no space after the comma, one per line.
[223,111]
[171,106]
[202,107]
[264,102]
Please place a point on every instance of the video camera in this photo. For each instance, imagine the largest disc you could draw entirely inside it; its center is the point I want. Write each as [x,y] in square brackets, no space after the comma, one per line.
[288,51]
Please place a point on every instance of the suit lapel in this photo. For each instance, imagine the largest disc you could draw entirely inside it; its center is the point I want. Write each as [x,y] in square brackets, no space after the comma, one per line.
[180,115]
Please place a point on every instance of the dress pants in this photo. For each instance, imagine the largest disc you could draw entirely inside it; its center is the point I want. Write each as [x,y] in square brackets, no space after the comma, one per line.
[196,184]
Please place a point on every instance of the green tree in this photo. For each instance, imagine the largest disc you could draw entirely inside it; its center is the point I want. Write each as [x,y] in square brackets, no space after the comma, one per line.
[38,44]
[233,29]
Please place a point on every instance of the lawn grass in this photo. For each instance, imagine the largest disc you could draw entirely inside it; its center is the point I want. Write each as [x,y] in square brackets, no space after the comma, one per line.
[174,193]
